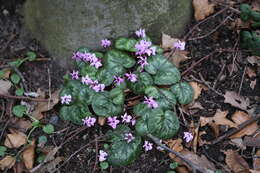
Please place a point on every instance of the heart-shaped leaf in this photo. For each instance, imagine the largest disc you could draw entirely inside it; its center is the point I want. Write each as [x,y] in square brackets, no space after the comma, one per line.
[117,96]
[127,44]
[122,153]
[184,92]
[15,78]
[163,71]
[143,80]
[105,76]
[48,129]
[19,110]
[103,105]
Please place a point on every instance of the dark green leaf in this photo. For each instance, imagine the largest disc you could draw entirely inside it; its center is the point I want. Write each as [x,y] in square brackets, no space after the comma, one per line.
[105,77]
[19,92]
[88,70]
[166,100]
[48,129]
[163,71]
[2,151]
[19,110]
[17,63]
[174,165]
[152,91]
[15,78]
[184,92]
[31,56]
[117,96]
[2,73]
[103,105]
[122,153]
[143,80]
[42,139]
[104,165]
[40,158]
[127,44]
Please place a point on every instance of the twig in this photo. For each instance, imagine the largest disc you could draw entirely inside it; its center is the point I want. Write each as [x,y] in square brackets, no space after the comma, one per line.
[235,130]
[203,80]
[242,80]
[212,31]
[219,75]
[194,166]
[21,76]
[96,160]
[22,98]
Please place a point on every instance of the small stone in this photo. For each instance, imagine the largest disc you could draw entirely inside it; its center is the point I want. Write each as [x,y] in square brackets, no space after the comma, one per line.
[54,120]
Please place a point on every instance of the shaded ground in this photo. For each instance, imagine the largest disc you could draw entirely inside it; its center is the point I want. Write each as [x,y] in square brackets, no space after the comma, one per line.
[39,73]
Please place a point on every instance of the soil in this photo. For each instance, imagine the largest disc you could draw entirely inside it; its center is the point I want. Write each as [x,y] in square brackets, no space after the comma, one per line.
[14,44]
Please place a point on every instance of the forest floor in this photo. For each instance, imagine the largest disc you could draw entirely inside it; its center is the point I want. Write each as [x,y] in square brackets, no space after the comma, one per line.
[226,80]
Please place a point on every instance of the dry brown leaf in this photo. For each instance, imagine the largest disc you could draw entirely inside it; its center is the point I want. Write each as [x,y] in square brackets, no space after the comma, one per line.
[256,161]
[253,171]
[202,161]
[200,140]
[250,72]
[238,142]
[168,41]
[178,57]
[196,137]
[202,9]
[254,60]
[182,169]
[28,155]
[5,86]
[19,167]
[46,106]
[253,84]
[7,162]
[236,100]
[21,123]
[239,117]
[174,145]
[7,72]
[197,89]
[15,139]
[235,162]
[255,5]
[101,121]
[219,119]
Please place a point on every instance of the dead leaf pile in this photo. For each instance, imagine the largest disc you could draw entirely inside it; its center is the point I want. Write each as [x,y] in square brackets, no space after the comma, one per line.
[235,162]
[7,162]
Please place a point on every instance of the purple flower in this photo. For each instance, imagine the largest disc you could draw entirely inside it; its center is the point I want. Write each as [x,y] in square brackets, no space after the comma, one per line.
[133,122]
[140,33]
[142,47]
[113,121]
[86,80]
[105,43]
[77,56]
[98,87]
[151,51]
[132,77]
[179,45]
[118,80]
[102,155]
[87,57]
[129,137]
[95,62]
[126,118]
[142,61]
[147,146]
[89,121]
[151,102]
[188,136]
[66,99]
[74,74]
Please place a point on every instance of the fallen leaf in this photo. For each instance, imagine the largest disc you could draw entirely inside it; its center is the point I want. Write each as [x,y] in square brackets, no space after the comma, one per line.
[20,123]
[19,167]
[196,137]
[197,89]
[168,41]
[253,171]
[219,119]
[237,101]
[256,5]
[200,140]
[253,84]
[5,86]
[50,156]
[101,121]
[28,155]
[174,145]
[202,9]
[182,169]
[254,60]
[15,139]
[256,161]
[235,162]
[251,141]
[250,72]
[239,117]
[238,142]
[46,106]
[7,162]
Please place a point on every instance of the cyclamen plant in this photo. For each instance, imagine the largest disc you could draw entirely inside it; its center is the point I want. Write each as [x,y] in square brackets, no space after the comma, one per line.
[102,82]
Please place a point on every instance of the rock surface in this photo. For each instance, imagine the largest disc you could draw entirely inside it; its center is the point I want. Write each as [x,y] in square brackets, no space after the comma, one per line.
[62,26]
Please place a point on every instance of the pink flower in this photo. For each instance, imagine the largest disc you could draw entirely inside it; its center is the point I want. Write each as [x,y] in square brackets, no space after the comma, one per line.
[95,62]
[102,155]
[147,146]
[113,121]
[86,80]
[126,118]
[132,77]
[151,102]
[133,122]
[188,136]
[89,121]
[179,45]
[87,57]
[129,137]
[74,74]
[105,43]
[142,47]
[140,33]
[66,99]
[142,61]
[151,51]
[98,87]
[118,80]
[77,56]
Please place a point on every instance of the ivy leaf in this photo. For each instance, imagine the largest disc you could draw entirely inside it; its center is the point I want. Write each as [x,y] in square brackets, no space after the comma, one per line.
[184,92]
[15,78]
[19,92]
[75,113]
[163,71]
[143,80]
[120,152]
[17,63]
[117,96]
[162,124]
[103,105]
[127,44]
[48,129]
[19,110]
